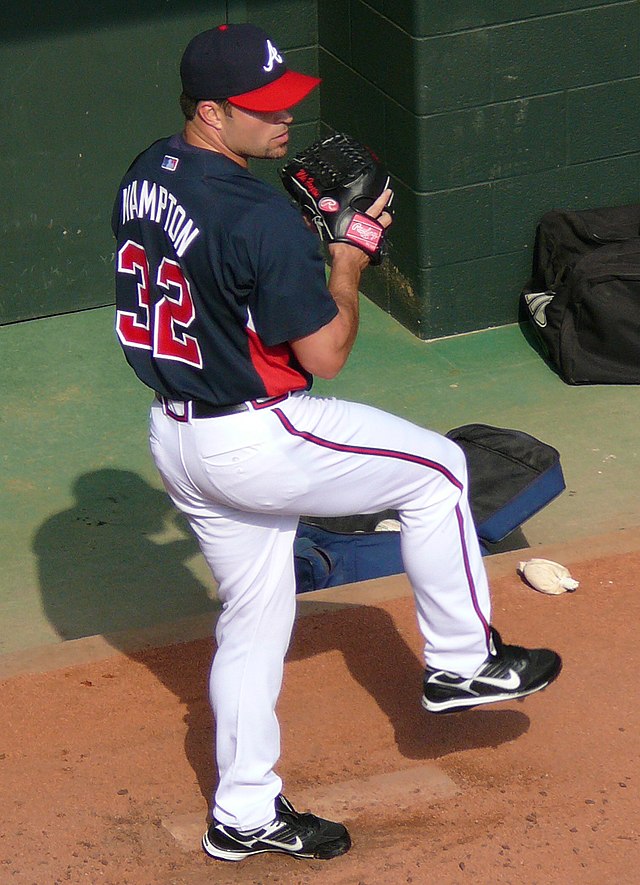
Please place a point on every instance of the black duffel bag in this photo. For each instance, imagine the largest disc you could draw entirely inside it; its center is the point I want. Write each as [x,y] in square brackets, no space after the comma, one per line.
[512,475]
[583,297]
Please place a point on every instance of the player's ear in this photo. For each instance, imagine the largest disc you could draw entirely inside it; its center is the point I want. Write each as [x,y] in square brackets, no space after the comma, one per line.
[211,113]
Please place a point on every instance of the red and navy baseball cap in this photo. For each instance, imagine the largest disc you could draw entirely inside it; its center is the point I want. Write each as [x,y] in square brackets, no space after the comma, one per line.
[242,64]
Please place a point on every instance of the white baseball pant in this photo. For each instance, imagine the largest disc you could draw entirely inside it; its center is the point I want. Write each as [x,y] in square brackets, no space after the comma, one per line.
[243,480]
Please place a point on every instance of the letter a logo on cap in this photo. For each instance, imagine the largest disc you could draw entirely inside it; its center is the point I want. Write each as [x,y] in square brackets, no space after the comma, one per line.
[274,55]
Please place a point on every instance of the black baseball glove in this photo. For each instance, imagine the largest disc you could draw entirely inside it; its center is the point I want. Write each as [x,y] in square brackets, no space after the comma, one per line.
[335,181]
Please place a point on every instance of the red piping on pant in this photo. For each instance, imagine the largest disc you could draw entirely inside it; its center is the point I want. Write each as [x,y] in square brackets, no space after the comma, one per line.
[414,459]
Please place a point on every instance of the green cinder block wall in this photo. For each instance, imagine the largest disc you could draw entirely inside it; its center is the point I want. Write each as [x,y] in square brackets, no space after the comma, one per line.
[85,88]
[487,114]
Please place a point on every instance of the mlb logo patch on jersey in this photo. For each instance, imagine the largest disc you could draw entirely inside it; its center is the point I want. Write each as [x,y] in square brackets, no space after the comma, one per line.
[169,163]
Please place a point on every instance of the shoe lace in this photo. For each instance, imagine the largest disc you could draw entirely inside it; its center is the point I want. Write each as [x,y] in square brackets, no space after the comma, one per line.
[297,824]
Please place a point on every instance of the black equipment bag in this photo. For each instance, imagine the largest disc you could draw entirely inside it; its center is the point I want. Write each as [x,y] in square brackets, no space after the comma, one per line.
[583,297]
[512,476]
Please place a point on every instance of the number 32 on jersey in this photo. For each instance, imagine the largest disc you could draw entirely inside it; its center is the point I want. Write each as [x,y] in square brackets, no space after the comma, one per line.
[173,313]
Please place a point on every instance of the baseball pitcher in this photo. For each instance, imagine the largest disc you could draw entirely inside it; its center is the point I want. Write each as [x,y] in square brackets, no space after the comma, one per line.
[224,312]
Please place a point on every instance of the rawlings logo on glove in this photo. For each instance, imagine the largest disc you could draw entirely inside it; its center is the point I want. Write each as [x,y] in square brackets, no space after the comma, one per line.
[335,181]
[365,232]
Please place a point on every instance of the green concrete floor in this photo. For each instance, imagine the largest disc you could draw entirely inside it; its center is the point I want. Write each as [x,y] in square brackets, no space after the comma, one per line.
[89,542]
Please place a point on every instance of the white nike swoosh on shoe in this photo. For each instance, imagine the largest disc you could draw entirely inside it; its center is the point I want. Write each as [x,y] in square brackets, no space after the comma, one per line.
[251,841]
[295,845]
[270,836]
[507,683]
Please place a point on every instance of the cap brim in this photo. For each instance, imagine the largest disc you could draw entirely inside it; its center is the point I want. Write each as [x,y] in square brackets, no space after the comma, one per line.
[283,93]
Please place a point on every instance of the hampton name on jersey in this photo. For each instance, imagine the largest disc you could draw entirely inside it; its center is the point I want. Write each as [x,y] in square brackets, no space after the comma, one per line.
[215,273]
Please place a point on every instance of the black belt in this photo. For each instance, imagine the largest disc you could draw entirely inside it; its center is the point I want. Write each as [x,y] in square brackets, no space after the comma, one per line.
[206,410]
[200,409]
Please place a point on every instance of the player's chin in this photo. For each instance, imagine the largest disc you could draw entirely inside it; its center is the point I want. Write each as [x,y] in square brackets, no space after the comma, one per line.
[276,152]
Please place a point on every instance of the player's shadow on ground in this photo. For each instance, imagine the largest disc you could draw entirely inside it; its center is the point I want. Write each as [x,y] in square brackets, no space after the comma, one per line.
[107,567]
[115,560]
[115,563]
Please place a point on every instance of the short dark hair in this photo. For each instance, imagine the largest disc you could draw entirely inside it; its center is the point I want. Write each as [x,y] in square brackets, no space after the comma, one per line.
[189,105]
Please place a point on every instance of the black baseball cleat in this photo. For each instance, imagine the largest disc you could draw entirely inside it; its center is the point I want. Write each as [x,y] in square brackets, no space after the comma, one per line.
[299,835]
[509,672]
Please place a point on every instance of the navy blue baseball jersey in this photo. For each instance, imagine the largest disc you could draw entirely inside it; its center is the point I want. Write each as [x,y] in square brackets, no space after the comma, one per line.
[215,273]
